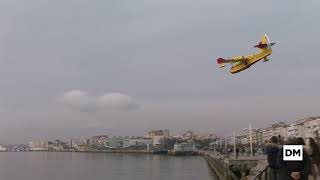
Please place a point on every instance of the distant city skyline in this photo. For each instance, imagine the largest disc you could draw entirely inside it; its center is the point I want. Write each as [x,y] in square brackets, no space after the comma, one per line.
[79,68]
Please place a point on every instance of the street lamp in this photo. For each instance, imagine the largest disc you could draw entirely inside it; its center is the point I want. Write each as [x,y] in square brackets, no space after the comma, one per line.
[234,143]
[250,137]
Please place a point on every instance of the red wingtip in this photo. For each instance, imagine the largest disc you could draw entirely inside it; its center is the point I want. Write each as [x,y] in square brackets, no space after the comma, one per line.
[219,60]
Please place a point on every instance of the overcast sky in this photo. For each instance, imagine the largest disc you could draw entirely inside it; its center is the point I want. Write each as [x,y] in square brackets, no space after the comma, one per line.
[74,68]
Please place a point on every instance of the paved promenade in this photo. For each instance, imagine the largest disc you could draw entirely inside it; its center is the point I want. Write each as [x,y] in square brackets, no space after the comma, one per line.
[233,156]
[229,166]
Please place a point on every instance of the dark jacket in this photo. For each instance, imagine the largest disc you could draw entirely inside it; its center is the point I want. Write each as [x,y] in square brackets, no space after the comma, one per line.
[272,151]
[304,166]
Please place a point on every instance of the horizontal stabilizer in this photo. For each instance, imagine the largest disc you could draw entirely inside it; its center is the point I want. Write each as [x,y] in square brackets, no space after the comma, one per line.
[222,65]
[262,46]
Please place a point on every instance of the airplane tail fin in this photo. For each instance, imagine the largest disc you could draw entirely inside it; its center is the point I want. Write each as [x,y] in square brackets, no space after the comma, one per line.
[221,62]
[264,43]
[269,43]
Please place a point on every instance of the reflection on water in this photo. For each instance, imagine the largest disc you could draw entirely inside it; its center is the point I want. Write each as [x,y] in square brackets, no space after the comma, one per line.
[101,166]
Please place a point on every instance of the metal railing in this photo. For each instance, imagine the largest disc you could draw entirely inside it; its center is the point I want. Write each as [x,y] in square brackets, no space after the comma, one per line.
[263,175]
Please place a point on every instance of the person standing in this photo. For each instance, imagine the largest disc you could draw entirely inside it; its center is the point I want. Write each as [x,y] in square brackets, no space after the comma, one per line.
[312,149]
[272,150]
[295,170]
[237,152]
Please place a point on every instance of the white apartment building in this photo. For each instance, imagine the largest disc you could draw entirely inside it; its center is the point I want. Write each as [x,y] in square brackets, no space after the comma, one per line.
[278,129]
[305,128]
[295,128]
[267,133]
[242,139]
[311,128]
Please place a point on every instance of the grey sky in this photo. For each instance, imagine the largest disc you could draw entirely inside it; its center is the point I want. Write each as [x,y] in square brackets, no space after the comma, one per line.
[159,55]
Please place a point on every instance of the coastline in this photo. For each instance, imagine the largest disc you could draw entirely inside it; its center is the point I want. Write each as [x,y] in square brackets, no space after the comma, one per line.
[169,153]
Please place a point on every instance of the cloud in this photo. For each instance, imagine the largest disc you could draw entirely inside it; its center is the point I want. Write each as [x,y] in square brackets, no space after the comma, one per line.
[117,101]
[79,100]
[82,101]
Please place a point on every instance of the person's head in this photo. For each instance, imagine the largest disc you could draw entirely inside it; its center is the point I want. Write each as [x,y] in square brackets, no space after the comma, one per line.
[312,143]
[300,141]
[308,143]
[274,139]
[291,141]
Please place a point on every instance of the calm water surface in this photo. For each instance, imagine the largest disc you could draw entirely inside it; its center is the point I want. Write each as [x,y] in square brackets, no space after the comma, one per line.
[100,166]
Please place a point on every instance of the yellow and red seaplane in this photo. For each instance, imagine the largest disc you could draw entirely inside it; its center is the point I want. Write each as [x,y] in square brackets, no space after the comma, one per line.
[240,63]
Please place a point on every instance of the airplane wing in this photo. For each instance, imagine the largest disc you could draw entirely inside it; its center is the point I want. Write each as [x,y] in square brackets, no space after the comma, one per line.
[221,60]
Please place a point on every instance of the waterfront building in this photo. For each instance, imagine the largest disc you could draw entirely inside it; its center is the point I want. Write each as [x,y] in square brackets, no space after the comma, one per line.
[242,139]
[114,142]
[305,128]
[279,129]
[189,135]
[312,128]
[185,146]
[79,144]
[137,142]
[164,133]
[230,141]
[256,135]
[57,145]
[119,142]
[85,141]
[38,145]
[2,148]
[98,140]
[211,136]
[297,127]
[177,136]
[158,137]
[267,133]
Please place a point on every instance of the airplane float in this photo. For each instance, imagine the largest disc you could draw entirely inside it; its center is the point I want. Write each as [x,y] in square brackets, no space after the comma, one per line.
[240,63]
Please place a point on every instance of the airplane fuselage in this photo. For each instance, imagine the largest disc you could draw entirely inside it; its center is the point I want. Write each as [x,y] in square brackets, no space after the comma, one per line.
[249,60]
